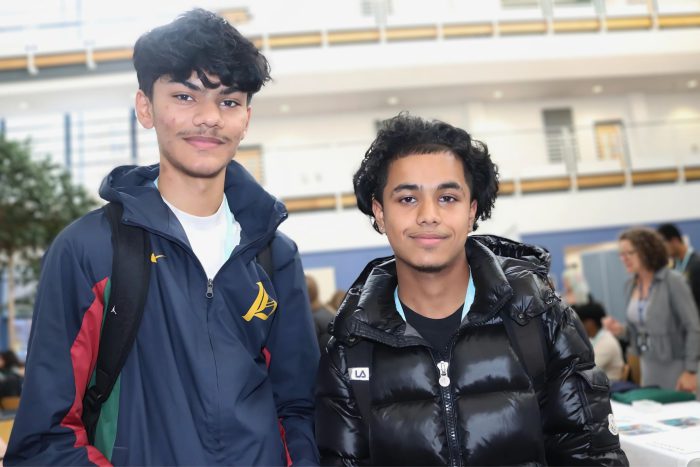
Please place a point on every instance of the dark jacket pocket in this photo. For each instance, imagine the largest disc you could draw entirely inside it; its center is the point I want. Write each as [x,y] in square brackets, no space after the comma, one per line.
[595,395]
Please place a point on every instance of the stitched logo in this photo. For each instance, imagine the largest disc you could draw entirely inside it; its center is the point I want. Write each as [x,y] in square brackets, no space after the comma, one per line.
[612,426]
[155,258]
[262,303]
[359,373]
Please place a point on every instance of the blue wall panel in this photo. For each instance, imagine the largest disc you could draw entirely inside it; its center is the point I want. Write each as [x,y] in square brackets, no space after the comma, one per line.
[348,264]
[558,241]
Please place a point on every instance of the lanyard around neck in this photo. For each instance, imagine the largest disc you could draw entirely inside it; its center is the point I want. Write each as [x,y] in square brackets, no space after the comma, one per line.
[680,267]
[643,304]
[468,299]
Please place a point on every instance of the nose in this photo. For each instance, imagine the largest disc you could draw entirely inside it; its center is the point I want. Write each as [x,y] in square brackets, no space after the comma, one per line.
[428,212]
[208,114]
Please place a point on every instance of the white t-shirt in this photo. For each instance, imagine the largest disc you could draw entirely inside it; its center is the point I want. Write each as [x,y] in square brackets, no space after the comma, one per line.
[212,238]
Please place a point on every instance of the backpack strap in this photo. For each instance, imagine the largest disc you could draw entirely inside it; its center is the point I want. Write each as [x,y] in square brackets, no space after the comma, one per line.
[264,259]
[128,288]
[358,358]
[529,344]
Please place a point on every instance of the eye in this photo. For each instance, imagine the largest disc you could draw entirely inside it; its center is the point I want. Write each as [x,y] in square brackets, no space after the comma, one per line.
[407,200]
[230,103]
[183,97]
[447,199]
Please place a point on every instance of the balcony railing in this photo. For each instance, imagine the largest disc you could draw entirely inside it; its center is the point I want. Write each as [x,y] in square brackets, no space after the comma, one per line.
[312,177]
[85,33]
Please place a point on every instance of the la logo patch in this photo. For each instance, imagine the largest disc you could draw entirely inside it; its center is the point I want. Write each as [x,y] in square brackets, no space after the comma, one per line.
[360,373]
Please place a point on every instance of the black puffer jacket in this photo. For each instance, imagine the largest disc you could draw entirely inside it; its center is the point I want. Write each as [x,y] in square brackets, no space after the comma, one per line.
[497,416]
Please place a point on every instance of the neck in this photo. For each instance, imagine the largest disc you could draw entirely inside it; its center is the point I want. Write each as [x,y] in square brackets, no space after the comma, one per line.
[433,294]
[196,196]
[644,278]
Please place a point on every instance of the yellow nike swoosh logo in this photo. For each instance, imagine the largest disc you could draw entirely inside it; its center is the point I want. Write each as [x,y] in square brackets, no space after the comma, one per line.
[154,258]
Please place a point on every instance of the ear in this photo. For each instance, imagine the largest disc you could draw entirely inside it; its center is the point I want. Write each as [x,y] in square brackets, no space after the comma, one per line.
[378,212]
[144,110]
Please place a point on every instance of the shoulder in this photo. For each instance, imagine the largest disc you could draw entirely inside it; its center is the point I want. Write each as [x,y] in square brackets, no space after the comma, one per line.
[87,237]
[84,245]
[284,250]
[673,278]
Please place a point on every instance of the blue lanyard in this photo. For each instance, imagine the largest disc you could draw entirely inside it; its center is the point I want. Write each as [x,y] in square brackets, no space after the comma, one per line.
[680,267]
[468,299]
[642,305]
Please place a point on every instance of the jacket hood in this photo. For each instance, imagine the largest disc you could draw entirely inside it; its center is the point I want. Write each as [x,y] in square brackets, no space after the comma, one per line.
[538,257]
[258,212]
[369,309]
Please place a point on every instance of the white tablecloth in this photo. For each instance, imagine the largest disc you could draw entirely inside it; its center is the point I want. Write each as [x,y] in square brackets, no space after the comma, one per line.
[669,445]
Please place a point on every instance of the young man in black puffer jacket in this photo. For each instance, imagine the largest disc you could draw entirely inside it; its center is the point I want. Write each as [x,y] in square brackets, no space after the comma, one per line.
[455,351]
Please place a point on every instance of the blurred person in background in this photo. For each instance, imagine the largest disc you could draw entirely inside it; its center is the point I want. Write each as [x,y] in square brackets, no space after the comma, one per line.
[662,324]
[685,260]
[322,314]
[337,299]
[11,374]
[606,347]
[576,290]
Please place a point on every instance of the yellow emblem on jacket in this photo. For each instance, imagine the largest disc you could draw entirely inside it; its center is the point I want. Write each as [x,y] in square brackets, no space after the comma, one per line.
[262,302]
[155,258]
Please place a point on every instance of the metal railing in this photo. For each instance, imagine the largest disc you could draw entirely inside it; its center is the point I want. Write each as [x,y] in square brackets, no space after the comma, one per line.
[28,29]
[588,156]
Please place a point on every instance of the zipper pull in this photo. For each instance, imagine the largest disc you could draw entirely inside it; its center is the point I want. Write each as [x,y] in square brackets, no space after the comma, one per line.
[444,380]
[210,288]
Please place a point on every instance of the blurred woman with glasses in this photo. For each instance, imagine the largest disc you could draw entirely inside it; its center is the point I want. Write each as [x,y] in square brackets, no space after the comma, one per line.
[662,320]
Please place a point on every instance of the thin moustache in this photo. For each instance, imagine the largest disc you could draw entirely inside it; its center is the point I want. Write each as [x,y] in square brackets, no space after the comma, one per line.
[186,135]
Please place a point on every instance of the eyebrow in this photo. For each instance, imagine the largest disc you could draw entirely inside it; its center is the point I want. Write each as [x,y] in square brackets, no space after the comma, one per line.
[415,187]
[194,87]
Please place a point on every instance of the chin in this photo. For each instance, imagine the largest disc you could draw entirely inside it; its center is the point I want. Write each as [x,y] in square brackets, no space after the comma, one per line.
[428,267]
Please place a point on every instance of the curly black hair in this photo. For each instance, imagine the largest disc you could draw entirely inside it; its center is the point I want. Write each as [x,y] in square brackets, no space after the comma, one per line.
[404,135]
[649,245]
[203,42]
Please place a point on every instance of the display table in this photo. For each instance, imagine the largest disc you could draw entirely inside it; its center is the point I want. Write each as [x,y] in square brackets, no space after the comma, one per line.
[660,435]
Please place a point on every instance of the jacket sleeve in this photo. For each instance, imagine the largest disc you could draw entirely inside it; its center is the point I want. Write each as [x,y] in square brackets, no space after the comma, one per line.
[684,308]
[294,354]
[578,425]
[62,352]
[694,280]
[340,431]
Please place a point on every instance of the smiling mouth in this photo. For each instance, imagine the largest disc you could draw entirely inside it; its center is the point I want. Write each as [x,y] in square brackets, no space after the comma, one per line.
[428,239]
[204,142]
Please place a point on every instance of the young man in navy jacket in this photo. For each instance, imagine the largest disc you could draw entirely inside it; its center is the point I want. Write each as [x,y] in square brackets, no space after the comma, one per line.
[224,362]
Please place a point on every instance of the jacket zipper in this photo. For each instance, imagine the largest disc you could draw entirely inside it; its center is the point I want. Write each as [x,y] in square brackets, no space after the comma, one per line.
[447,399]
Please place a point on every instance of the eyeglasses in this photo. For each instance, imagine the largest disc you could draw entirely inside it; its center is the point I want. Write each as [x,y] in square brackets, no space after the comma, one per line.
[627,253]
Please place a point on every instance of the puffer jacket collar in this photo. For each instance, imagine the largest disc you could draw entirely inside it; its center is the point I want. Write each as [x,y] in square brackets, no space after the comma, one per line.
[369,311]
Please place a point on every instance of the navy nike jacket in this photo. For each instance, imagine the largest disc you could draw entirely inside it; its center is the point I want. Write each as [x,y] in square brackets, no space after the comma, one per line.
[219,378]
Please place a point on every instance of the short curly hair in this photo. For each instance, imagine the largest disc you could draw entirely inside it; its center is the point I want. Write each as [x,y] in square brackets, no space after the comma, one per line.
[649,245]
[203,42]
[404,135]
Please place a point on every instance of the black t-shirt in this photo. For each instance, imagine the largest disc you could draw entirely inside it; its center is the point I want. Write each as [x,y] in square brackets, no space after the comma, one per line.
[437,332]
